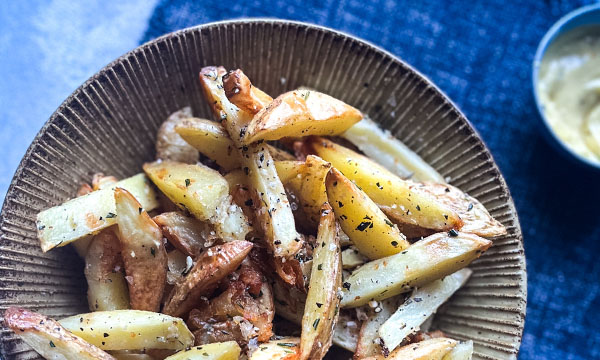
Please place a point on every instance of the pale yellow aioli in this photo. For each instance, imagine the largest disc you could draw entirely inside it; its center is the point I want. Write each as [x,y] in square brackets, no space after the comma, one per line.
[569,90]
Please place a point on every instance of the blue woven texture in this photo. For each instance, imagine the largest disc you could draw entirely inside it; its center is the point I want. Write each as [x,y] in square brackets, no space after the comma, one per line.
[480,54]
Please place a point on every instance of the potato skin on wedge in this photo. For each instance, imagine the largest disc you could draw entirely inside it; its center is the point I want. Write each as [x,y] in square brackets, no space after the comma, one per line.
[170,145]
[210,268]
[241,93]
[189,235]
[274,218]
[361,219]
[203,192]
[322,301]
[107,288]
[49,338]
[394,196]
[477,220]
[301,113]
[212,140]
[426,260]
[143,253]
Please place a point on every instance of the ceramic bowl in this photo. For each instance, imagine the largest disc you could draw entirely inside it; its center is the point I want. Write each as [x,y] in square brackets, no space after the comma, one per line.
[109,124]
[585,16]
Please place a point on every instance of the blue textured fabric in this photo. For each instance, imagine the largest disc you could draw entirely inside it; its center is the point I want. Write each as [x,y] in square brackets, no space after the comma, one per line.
[480,54]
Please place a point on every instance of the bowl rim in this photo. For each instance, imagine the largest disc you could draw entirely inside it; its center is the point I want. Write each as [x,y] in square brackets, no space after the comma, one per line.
[518,235]
[555,31]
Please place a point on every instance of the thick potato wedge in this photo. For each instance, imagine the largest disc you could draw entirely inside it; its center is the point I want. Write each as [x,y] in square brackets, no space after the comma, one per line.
[99,182]
[130,330]
[462,351]
[49,338]
[419,306]
[107,288]
[432,349]
[301,113]
[210,268]
[385,149]
[290,304]
[212,140]
[426,260]
[169,145]
[368,339]
[322,302]
[143,253]
[189,235]
[287,348]
[373,234]
[307,181]
[477,220]
[241,93]
[275,217]
[229,350]
[352,258]
[395,196]
[88,214]
[203,192]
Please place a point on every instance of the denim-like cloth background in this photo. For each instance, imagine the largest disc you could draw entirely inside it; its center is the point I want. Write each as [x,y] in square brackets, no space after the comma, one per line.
[480,54]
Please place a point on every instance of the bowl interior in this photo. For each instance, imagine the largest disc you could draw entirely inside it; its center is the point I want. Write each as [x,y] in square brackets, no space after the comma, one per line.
[582,17]
[109,125]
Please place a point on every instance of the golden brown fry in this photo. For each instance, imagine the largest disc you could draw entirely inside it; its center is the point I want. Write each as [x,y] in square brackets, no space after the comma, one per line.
[143,252]
[49,338]
[187,234]
[169,145]
[112,330]
[396,197]
[87,215]
[241,93]
[322,301]
[301,113]
[210,268]
[367,226]
[275,218]
[107,288]
[203,192]
[475,216]
[431,349]
[211,139]
[423,262]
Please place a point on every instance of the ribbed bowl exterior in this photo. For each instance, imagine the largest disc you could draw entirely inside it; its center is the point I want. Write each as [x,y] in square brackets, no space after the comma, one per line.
[109,125]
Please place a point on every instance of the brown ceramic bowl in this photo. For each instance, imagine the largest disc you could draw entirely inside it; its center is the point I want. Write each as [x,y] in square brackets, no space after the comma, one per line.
[109,125]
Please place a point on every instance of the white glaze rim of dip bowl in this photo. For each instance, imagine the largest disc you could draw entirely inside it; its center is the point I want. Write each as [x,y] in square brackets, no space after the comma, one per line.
[587,15]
